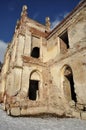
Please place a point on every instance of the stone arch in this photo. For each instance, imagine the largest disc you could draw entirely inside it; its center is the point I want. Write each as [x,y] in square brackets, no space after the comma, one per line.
[35,83]
[68,83]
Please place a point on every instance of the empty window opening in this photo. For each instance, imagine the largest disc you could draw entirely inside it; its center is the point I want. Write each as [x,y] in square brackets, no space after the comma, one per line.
[0,67]
[69,78]
[33,89]
[64,37]
[73,94]
[35,52]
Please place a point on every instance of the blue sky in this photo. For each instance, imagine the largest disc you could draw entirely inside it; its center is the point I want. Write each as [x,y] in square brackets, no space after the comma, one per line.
[10,11]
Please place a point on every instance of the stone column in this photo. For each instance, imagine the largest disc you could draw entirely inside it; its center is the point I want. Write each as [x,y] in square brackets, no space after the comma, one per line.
[25,80]
[4,73]
[58,46]
[13,85]
[20,50]
[14,51]
[27,49]
[41,55]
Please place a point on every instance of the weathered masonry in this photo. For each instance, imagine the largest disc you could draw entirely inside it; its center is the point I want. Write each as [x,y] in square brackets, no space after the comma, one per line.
[44,70]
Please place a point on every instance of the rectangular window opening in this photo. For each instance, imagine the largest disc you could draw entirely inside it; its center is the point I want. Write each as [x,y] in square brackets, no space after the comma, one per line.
[33,89]
[64,38]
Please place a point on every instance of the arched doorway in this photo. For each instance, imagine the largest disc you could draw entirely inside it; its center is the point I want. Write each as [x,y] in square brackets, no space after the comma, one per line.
[35,52]
[68,84]
[34,86]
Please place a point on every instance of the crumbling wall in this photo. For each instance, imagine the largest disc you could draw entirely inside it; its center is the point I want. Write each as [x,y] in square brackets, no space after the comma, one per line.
[77,30]
[51,50]
[56,76]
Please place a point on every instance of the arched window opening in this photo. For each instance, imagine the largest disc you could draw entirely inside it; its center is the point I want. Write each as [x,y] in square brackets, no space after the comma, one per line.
[33,89]
[68,85]
[35,52]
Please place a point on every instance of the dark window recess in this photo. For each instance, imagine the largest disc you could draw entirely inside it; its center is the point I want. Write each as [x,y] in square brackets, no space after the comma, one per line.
[35,52]
[33,88]
[0,66]
[64,37]
[69,76]
[73,94]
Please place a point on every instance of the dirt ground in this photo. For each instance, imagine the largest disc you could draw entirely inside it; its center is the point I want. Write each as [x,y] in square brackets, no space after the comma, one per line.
[34,123]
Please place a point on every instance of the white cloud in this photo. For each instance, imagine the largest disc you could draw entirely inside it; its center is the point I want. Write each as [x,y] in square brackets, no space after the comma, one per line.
[55,23]
[58,19]
[65,14]
[3,47]
[35,15]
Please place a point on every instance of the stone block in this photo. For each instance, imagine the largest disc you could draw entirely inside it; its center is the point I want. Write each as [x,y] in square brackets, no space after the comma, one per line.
[76,114]
[15,111]
[83,115]
[8,112]
[2,106]
[24,112]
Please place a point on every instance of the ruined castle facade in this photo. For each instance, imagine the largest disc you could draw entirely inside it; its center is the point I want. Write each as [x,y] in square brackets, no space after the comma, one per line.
[44,70]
